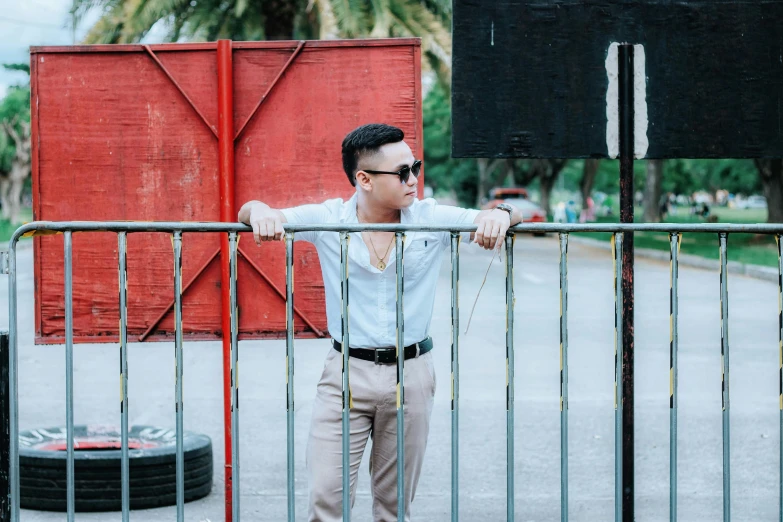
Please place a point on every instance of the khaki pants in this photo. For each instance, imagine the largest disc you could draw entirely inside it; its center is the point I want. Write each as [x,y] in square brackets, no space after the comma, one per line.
[374,414]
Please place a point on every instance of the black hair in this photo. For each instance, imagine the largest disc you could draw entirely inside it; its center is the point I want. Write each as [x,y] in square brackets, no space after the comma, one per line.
[365,141]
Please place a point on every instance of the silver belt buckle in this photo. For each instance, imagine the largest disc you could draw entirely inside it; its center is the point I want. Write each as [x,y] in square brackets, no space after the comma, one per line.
[375,354]
[418,350]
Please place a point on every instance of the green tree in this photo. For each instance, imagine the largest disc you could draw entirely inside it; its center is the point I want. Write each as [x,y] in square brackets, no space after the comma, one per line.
[443,173]
[771,172]
[14,108]
[128,21]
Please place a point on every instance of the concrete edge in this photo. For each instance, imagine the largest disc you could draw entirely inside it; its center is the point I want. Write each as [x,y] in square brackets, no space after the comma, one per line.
[755,271]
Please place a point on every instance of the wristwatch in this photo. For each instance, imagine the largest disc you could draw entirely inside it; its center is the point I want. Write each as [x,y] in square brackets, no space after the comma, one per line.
[507,208]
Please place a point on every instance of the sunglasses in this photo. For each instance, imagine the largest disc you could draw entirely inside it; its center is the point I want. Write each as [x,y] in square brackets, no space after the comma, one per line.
[404,173]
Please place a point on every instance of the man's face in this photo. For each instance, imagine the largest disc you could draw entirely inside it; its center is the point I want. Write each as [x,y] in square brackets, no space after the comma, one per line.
[387,189]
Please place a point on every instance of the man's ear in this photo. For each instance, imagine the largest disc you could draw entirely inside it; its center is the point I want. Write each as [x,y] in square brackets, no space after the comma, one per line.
[363,180]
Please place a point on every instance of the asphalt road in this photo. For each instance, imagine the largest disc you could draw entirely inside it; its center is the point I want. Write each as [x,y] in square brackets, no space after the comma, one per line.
[755,420]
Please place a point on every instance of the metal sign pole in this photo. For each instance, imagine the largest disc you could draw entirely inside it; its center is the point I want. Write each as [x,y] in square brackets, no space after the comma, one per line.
[626,106]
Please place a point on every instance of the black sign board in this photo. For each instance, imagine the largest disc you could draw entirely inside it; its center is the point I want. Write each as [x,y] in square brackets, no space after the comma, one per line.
[531,77]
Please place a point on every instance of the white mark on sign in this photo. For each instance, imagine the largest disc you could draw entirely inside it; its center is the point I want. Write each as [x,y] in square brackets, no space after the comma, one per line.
[640,103]
[612,103]
[492,35]
[641,122]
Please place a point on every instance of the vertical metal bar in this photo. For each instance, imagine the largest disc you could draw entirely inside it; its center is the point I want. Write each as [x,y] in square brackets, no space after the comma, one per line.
[724,352]
[617,251]
[455,237]
[5,427]
[178,362]
[122,240]
[234,327]
[626,106]
[289,369]
[225,81]
[780,365]
[346,427]
[563,377]
[673,340]
[69,463]
[398,248]
[510,377]
[13,384]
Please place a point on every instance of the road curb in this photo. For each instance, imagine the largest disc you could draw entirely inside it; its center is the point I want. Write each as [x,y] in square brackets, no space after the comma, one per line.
[755,271]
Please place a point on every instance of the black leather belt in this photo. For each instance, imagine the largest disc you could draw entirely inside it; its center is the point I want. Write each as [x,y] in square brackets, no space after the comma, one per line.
[386,355]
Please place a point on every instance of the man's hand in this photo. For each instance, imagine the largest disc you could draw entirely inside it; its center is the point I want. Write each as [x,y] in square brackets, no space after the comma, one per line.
[492,227]
[267,222]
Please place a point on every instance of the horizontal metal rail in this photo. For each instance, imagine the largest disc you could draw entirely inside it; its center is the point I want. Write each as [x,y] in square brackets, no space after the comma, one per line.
[41,227]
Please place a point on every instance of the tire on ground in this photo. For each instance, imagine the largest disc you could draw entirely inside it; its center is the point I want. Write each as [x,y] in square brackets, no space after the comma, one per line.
[97,468]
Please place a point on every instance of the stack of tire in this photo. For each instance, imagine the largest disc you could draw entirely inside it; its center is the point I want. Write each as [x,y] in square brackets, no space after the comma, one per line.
[97,468]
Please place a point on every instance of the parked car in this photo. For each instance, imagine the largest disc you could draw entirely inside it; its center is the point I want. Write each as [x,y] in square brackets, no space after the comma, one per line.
[499,193]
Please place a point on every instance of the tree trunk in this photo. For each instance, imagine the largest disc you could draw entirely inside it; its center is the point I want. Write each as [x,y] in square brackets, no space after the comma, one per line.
[485,169]
[279,18]
[771,173]
[549,171]
[652,191]
[481,186]
[589,173]
[546,183]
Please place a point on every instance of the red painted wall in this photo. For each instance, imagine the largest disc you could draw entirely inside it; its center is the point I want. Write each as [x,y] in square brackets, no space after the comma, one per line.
[115,139]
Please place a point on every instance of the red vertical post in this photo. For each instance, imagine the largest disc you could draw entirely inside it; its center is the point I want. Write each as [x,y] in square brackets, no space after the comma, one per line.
[227,214]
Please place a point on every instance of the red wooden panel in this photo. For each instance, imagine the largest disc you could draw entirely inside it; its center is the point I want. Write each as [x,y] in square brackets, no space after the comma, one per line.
[116,138]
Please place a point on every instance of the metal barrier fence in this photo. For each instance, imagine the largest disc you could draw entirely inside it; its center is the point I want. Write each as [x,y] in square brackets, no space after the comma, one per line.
[178,228]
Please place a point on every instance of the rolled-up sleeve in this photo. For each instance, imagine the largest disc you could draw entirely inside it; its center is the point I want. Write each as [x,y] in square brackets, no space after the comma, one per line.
[448,215]
[307,215]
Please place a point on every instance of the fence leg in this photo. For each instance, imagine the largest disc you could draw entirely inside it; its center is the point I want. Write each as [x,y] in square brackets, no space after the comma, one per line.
[510,377]
[563,377]
[617,252]
[5,430]
[455,237]
[724,357]
[673,345]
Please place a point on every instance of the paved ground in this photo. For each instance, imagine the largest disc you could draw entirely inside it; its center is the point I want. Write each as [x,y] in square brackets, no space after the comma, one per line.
[754,396]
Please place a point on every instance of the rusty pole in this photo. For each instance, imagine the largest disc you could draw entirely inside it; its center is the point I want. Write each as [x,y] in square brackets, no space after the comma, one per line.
[626,105]
[228,215]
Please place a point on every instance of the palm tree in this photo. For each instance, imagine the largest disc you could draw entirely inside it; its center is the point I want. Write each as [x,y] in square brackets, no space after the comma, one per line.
[129,21]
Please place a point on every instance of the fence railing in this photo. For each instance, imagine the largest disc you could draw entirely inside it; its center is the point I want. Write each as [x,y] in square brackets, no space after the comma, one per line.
[177,229]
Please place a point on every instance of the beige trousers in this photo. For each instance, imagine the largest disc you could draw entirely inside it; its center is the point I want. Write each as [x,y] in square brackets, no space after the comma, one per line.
[374,414]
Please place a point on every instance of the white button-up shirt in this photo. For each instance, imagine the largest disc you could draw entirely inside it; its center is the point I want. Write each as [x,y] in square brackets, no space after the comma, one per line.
[372,293]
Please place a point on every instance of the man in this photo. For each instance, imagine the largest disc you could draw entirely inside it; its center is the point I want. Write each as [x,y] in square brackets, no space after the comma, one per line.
[382,168]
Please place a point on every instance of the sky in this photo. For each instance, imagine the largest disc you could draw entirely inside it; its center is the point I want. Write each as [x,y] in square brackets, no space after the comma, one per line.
[24,23]
[33,22]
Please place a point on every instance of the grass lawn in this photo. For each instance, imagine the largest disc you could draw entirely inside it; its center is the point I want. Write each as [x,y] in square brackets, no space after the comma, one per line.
[745,248]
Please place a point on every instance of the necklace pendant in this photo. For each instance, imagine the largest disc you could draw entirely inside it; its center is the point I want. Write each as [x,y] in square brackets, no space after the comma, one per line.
[381,265]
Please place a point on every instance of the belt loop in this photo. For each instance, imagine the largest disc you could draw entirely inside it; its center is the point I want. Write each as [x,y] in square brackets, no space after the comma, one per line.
[375,354]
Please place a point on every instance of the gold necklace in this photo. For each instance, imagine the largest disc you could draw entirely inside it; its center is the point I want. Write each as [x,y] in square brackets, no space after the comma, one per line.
[381,264]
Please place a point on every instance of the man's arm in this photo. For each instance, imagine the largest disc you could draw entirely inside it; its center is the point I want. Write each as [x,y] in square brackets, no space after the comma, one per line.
[267,222]
[493,225]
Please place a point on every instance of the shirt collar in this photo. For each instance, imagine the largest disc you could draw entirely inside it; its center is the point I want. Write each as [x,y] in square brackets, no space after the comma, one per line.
[348,211]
